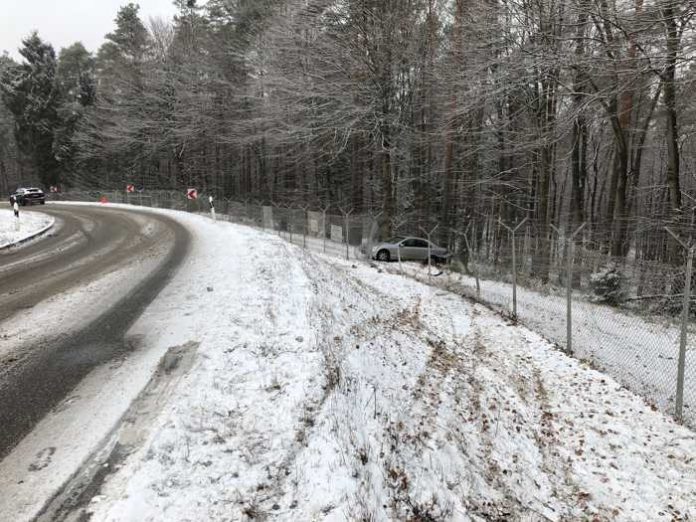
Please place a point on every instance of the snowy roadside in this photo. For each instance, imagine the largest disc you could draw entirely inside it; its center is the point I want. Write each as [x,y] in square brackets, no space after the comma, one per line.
[322,390]
[639,352]
[31,224]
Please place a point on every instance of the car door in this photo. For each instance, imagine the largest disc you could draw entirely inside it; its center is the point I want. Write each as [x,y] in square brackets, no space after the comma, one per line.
[409,250]
[414,249]
[420,249]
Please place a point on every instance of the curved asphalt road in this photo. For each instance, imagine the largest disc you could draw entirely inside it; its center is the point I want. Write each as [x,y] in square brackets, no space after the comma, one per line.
[90,242]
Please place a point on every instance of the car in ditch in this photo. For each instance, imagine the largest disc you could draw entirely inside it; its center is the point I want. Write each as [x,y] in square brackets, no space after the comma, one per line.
[28,196]
[409,249]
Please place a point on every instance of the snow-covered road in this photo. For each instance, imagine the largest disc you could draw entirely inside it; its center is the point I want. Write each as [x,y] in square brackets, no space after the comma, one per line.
[323,390]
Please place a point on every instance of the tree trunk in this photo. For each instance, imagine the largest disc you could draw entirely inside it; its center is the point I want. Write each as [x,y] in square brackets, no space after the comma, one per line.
[670,100]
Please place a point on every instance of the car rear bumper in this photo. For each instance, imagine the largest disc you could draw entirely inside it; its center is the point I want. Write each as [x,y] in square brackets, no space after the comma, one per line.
[33,200]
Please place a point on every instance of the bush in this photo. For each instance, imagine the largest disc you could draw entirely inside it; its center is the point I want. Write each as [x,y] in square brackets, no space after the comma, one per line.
[608,285]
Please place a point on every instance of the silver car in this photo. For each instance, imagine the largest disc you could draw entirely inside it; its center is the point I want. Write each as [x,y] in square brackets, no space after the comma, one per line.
[409,249]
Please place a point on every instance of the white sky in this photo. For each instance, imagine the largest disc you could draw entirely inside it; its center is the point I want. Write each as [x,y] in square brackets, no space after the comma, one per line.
[64,22]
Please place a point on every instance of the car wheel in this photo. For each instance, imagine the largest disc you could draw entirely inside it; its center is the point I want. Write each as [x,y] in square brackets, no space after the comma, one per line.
[383,255]
[42,202]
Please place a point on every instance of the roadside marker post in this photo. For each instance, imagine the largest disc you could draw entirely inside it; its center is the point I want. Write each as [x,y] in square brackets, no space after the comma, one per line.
[191,194]
[212,208]
[130,188]
[15,208]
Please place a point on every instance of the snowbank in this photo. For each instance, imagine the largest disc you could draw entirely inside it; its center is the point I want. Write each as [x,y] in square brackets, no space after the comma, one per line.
[322,390]
[31,224]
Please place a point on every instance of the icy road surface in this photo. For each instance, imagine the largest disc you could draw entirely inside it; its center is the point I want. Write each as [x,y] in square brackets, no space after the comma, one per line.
[322,390]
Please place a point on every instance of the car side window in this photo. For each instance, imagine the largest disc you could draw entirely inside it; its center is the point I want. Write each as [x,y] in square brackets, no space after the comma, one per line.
[409,243]
[420,243]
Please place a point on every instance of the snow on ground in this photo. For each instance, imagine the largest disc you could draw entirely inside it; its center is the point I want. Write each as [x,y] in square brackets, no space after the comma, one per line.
[30,223]
[323,390]
[640,352]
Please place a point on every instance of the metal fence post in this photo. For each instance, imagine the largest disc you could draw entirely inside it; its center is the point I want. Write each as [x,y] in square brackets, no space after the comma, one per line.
[465,234]
[370,233]
[428,234]
[323,226]
[396,225]
[346,215]
[290,216]
[513,231]
[514,277]
[570,245]
[246,209]
[304,226]
[681,365]
[277,210]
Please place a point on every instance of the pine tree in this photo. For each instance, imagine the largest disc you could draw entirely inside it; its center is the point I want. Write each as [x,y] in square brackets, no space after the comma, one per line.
[77,88]
[29,92]
[112,134]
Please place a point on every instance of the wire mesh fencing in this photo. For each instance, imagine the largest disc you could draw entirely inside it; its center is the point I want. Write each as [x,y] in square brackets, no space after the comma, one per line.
[625,315]
[629,316]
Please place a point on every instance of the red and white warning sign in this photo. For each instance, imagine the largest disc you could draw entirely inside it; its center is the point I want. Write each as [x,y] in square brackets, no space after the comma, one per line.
[192,193]
[130,187]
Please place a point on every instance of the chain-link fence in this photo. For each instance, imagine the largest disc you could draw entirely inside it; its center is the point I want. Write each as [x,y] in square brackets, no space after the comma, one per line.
[624,315]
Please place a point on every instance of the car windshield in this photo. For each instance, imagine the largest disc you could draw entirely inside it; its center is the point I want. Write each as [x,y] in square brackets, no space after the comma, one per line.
[395,239]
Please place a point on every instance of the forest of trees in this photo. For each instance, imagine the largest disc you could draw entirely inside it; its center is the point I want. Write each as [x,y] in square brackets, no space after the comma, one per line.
[428,111]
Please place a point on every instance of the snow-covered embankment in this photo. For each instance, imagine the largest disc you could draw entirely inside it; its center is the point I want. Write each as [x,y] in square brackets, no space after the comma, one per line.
[326,390]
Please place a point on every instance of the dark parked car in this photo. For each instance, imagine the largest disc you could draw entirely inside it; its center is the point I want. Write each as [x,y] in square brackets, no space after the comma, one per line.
[28,196]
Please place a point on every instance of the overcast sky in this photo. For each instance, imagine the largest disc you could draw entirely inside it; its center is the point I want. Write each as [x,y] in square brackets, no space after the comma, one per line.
[64,22]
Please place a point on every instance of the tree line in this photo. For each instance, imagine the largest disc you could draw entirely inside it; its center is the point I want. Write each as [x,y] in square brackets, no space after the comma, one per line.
[424,111]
